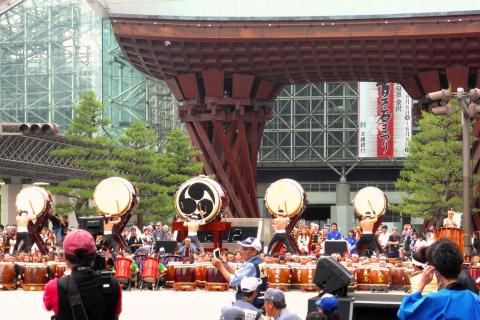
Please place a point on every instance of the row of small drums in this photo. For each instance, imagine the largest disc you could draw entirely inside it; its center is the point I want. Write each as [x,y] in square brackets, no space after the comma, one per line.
[204,275]
[35,275]
[179,276]
[396,278]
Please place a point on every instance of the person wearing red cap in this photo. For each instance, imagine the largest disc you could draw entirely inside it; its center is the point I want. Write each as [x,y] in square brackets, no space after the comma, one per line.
[100,295]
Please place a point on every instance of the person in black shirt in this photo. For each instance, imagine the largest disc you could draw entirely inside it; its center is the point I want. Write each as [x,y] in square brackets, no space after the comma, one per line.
[134,241]
[85,293]
[394,244]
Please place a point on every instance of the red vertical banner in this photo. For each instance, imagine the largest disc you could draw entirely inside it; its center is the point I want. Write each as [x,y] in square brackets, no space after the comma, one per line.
[385,106]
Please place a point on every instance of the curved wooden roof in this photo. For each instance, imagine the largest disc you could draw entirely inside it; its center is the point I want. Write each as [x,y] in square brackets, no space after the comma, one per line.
[423,53]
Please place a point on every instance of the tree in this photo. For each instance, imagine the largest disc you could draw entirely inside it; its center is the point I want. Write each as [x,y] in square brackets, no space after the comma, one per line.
[432,176]
[91,153]
[138,160]
[156,170]
[180,158]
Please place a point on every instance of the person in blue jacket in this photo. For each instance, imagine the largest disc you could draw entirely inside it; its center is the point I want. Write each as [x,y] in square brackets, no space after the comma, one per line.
[453,300]
[334,233]
[352,241]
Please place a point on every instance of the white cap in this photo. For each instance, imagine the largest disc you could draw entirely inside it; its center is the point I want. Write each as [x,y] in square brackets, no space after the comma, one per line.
[250,284]
[251,242]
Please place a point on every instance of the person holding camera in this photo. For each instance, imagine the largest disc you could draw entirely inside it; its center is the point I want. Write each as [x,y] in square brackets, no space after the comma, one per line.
[85,293]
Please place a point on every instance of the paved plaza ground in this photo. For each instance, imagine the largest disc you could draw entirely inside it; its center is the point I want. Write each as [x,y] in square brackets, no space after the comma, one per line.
[147,304]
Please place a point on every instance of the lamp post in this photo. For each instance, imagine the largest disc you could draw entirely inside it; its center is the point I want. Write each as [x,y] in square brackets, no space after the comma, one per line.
[469,111]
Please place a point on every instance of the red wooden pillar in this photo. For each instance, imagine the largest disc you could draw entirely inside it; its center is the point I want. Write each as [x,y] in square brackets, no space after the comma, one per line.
[225,118]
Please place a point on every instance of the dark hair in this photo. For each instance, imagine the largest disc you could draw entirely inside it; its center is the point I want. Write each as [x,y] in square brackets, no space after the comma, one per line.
[420,255]
[446,257]
[247,294]
[81,258]
[279,304]
[332,314]
[2,227]
[334,224]
[316,316]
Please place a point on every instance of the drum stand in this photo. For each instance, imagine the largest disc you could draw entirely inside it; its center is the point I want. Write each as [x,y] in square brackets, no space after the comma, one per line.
[277,246]
[34,230]
[118,229]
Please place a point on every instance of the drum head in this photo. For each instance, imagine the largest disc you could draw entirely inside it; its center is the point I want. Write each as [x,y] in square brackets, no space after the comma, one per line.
[33,200]
[114,196]
[370,199]
[201,196]
[287,195]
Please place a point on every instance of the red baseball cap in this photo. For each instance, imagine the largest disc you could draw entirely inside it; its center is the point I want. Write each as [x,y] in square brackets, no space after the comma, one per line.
[78,239]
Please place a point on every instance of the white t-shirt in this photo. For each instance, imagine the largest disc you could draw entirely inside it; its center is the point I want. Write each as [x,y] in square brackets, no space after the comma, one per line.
[383,238]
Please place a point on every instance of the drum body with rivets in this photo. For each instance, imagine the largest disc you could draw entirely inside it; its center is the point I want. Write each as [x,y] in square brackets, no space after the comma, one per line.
[370,199]
[287,195]
[201,196]
[115,196]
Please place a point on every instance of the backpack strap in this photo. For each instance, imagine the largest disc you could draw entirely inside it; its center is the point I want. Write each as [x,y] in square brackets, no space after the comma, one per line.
[110,289]
[75,300]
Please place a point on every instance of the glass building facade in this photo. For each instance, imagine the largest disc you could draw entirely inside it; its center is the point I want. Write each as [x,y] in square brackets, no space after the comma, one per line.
[52,50]
[313,123]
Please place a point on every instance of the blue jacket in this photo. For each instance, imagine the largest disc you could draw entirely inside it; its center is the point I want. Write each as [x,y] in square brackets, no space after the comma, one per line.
[446,304]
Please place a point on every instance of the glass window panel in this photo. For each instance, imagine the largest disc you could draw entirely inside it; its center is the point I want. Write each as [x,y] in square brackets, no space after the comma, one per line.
[317,89]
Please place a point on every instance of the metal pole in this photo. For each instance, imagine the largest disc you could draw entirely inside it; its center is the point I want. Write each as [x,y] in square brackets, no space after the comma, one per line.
[467,175]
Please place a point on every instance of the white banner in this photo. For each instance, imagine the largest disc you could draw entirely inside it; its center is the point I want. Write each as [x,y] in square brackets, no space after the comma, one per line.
[385,120]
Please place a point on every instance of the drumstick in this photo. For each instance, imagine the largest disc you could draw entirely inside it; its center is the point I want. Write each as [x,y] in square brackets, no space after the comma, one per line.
[200,210]
[370,205]
[285,202]
[118,207]
[31,206]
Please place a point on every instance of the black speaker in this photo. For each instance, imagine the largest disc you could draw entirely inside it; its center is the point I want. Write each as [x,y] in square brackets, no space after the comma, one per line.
[336,246]
[332,277]
[94,225]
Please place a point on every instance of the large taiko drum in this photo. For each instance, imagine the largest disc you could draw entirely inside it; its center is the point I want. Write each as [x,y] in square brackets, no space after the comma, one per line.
[201,274]
[278,276]
[201,196]
[362,276]
[215,280]
[34,200]
[398,277]
[379,276]
[295,275]
[475,273]
[184,277]
[287,195]
[170,276]
[150,269]
[7,275]
[306,273]
[57,269]
[115,196]
[454,234]
[35,276]
[123,269]
[370,199]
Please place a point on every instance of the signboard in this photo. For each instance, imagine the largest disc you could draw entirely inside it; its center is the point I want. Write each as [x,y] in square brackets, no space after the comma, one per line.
[385,120]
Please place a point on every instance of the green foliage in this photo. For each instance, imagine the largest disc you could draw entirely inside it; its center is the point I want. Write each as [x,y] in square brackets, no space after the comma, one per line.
[90,153]
[157,170]
[87,119]
[179,155]
[432,176]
